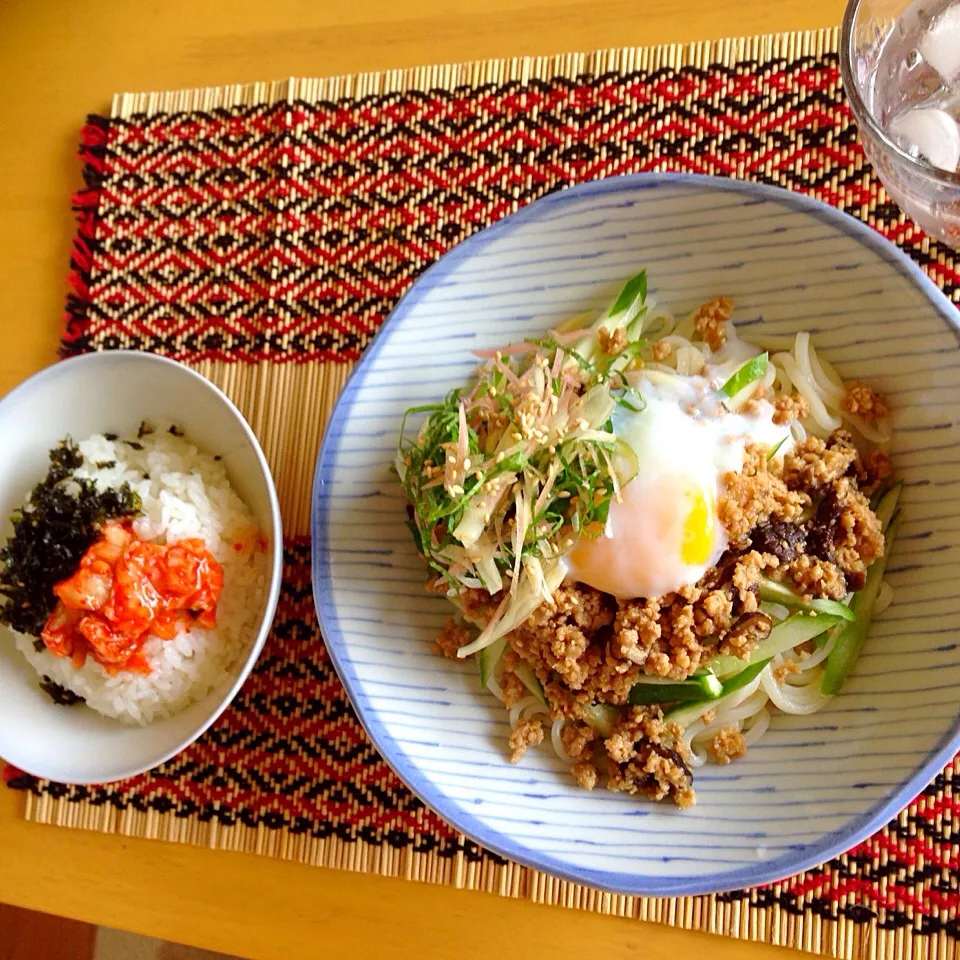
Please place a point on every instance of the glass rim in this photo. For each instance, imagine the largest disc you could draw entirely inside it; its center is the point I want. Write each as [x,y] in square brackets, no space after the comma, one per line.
[865,118]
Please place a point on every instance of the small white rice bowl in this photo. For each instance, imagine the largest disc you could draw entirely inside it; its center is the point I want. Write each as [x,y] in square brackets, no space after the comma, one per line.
[184,494]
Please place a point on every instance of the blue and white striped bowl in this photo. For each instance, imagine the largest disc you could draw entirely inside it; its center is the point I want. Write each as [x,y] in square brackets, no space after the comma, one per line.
[814,786]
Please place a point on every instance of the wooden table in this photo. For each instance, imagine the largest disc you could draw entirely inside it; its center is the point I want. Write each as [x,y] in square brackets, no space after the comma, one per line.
[62,60]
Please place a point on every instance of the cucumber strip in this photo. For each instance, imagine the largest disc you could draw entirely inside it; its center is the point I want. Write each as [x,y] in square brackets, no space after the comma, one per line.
[796,629]
[752,370]
[774,592]
[531,682]
[878,495]
[687,714]
[851,638]
[887,506]
[602,717]
[489,657]
[739,680]
[653,690]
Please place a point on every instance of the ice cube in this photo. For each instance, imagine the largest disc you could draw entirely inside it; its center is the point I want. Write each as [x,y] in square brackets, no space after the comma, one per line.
[941,45]
[931,132]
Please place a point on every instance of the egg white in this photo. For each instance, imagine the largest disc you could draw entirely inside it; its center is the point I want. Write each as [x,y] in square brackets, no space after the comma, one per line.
[685,440]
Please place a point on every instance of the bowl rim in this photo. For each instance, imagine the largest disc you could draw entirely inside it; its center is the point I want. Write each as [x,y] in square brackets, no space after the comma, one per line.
[831,844]
[37,381]
[864,116]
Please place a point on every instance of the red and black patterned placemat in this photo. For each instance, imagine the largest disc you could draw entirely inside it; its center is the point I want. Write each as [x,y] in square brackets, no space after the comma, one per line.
[263,233]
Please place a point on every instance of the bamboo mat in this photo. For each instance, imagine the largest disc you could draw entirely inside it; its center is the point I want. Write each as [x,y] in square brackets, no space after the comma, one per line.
[262,233]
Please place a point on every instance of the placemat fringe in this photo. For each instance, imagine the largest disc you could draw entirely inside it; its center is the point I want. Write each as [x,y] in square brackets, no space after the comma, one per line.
[451,76]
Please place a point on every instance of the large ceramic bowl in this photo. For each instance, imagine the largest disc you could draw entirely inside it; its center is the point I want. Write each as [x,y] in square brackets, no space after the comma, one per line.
[815,785]
[92,394]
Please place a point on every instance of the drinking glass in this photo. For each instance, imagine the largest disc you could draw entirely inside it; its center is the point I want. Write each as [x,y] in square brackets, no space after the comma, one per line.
[886,77]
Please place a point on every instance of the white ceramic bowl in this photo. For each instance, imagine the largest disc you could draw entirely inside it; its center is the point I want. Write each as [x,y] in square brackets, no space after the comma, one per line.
[814,786]
[115,391]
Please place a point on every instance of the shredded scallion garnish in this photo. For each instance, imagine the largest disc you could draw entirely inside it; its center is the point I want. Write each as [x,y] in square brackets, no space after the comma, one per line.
[504,479]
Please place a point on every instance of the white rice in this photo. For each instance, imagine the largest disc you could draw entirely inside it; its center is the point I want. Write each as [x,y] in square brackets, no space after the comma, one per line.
[185,494]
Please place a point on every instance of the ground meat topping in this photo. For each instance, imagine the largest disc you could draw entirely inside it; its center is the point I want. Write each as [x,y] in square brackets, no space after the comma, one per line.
[846,531]
[644,752]
[786,669]
[451,639]
[435,585]
[636,629]
[877,467]
[817,578]
[710,321]
[478,606]
[661,350]
[556,639]
[787,409]
[585,773]
[748,574]
[727,745]
[527,733]
[713,615]
[577,740]
[663,637]
[755,495]
[745,635]
[814,464]
[614,342]
[862,400]
[513,688]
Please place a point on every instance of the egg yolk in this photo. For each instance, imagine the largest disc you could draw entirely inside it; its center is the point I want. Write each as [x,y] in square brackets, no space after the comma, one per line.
[664,535]
[699,531]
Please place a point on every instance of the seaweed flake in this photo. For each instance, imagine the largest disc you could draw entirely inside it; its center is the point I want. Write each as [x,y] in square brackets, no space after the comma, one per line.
[218,457]
[110,436]
[105,464]
[146,428]
[51,533]
[175,430]
[59,695]
[133,444]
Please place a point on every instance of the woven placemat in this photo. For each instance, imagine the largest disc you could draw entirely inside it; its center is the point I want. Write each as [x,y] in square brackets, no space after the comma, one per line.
[262,233]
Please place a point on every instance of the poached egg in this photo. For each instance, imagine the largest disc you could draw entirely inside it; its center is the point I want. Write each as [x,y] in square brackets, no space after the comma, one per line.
[663,533]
